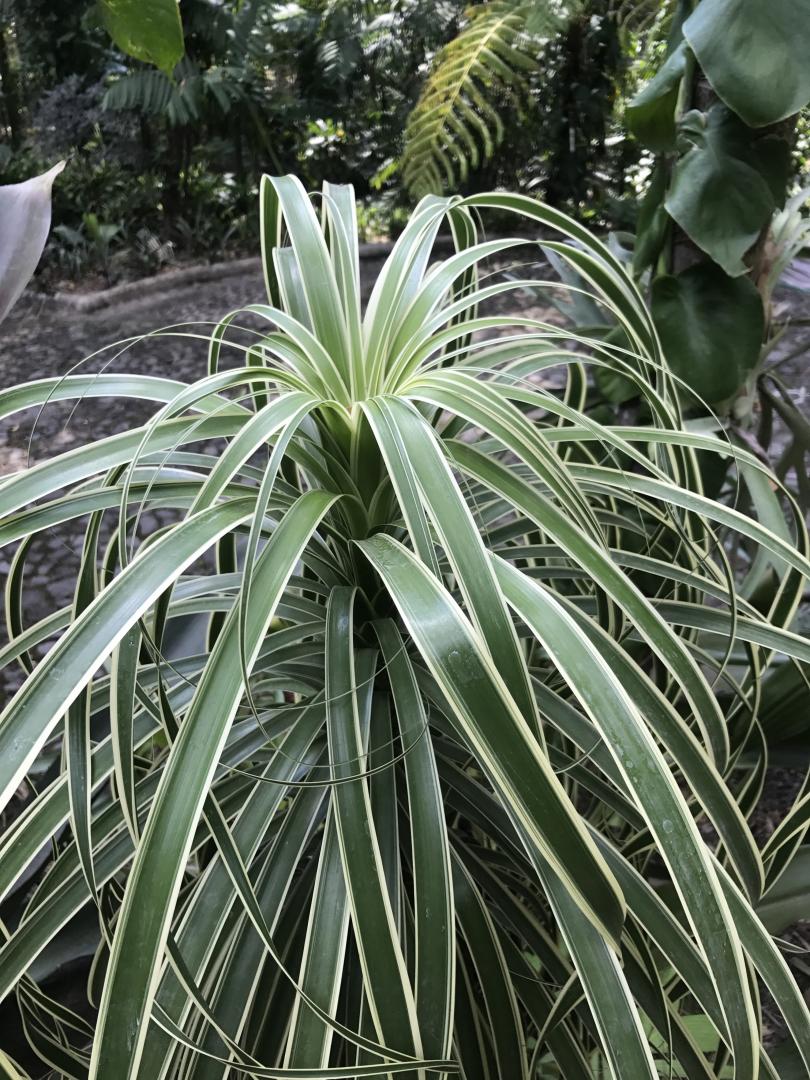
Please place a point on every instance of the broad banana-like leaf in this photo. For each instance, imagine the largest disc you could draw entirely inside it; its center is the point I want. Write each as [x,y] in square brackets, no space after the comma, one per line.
[149,30]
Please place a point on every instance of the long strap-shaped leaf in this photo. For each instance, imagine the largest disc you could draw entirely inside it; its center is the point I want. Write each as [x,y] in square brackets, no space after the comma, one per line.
[536,999]
[104,384]
[615,1016]
[385,974]
[164,488]
[487,405]
[283,410]
[65,893]
[206,917]
[491,724]
[43,817]
[605,986]
[32,715]
[604,478]
[612,280]
[77,721]
[434,927]
[154,882]
[310,1038]
[603,980]
[320,288]
[497,988]
[397,284]
[770,964]
[664,721]
[348,1072]
[341,216]
[614,581]
[659,922]
[426,470]
[23,488]
[654,788]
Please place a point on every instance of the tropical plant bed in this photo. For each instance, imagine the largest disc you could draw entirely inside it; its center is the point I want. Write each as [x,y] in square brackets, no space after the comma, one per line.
[459,772]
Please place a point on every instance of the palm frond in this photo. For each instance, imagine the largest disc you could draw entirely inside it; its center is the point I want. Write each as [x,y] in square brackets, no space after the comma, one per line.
[457,123]
[148,90]
[180,99]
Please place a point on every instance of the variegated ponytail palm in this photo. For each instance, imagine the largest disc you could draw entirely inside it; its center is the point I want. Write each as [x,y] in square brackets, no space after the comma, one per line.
[459,784]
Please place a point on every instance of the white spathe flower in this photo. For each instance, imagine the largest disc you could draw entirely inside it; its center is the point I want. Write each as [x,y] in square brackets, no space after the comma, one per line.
[25,218]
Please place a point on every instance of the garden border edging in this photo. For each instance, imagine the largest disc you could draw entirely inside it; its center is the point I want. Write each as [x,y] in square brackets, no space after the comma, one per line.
[145,287]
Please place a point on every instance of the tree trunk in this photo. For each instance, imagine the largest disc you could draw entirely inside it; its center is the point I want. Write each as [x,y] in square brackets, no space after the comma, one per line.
[11,99]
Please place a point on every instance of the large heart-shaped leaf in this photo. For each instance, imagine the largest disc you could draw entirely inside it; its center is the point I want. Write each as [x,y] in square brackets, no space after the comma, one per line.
[651,113]
[25,217]
[149,30]
[722,190]
[754,54]
[711,327]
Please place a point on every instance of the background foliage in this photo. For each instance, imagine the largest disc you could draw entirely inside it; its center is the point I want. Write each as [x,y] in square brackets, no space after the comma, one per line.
[325,88]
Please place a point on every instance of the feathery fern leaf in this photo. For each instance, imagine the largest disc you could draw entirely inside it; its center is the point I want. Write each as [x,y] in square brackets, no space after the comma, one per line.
[456,124]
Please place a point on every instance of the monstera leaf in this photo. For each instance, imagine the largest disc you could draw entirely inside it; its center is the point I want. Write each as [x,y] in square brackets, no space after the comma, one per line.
[710,326]
[724,189]
[149,30]
[651,113]
[754,54]
[25,218]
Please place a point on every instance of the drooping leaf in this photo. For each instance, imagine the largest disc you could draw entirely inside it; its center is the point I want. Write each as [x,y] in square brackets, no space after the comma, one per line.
[651,113]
